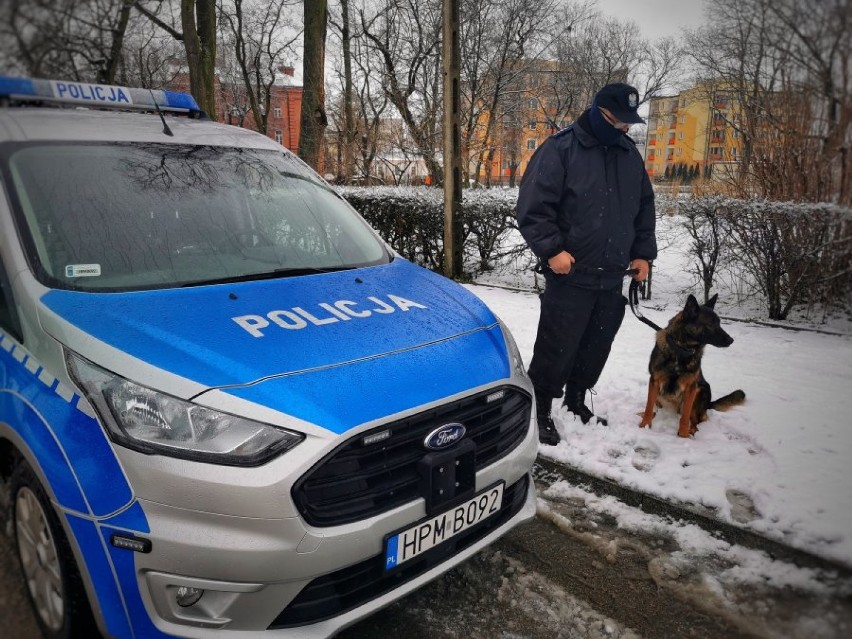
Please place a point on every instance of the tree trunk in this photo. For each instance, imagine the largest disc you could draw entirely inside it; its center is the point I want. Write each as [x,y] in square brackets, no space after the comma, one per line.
[348,115]
[108,73]
[198,19]
[313,117]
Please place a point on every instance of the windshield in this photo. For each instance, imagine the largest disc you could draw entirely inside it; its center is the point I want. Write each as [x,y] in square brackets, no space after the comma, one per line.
[120,216]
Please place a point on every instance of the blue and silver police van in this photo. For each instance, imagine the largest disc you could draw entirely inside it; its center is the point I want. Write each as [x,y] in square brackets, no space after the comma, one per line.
[227,408]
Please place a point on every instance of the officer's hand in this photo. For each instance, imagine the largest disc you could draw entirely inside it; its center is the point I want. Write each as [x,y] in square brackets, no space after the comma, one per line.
[561,263]
[643,267]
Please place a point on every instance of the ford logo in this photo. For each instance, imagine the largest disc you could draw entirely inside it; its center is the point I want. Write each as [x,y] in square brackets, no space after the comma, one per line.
[446,435]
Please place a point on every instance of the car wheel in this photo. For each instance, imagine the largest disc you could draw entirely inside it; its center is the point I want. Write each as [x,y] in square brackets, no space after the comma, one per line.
[47,563]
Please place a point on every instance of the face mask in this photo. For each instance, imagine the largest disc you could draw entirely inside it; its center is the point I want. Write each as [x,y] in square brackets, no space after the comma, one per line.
[602,130]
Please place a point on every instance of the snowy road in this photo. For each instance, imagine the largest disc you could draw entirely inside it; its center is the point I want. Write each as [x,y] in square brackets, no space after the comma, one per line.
[590,568]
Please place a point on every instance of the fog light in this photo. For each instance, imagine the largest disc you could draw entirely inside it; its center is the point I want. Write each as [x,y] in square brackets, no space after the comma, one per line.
[186,596]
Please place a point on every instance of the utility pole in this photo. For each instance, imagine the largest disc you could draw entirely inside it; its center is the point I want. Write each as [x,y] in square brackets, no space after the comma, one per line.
[452,140]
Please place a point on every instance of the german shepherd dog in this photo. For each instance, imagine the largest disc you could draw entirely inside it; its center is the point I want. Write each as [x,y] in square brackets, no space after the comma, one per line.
[675,367]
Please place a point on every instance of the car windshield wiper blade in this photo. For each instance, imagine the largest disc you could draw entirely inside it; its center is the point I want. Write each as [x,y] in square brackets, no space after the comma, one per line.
[269,275]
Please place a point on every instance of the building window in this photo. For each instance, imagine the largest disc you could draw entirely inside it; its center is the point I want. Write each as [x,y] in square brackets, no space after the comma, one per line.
[679,151]
[683,119]
[277,112]
[533,103]
[680,135]
[532,125]
[531,144]
[278,137]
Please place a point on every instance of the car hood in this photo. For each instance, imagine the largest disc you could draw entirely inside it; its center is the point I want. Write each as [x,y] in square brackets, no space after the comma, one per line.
[312,346]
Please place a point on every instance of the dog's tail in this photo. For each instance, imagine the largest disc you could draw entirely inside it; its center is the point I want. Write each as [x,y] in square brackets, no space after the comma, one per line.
[731,399]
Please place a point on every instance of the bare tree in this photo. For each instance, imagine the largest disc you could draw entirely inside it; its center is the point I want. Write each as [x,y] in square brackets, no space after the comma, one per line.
[372,106]
[347,127]
[501,38]
[777,73]
[149,55]
[544,68]
[197,32]
[259,36]
[598,51]
[79,39]
[405,36]
[313,118]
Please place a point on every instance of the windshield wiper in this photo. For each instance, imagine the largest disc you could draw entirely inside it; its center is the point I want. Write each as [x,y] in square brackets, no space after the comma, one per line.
[269,275]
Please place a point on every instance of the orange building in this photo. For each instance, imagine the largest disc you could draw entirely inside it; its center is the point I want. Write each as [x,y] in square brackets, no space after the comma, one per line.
[542,97]
[695,128]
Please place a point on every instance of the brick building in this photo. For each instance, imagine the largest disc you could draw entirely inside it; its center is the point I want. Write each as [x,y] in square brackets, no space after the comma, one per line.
[285,105]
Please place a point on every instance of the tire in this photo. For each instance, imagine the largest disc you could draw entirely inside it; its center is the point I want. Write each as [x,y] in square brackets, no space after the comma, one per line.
[47,563]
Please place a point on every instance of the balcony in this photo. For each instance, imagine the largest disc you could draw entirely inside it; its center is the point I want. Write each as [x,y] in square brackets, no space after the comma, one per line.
[671,141]
[651,142]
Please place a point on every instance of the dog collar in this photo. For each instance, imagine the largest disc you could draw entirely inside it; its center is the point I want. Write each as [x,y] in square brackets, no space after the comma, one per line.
[680,351]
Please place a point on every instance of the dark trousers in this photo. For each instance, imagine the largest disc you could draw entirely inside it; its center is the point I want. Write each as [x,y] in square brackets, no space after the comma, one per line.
[576,329]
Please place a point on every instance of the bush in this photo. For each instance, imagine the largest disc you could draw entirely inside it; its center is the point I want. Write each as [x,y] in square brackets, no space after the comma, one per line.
[411,220]
[788,253]
[795,253]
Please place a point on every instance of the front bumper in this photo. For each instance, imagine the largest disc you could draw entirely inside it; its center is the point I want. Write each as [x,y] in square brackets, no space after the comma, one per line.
[280,576]
[287,597]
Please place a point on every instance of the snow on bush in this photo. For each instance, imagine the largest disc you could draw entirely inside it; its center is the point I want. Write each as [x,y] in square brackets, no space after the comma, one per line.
[785,253]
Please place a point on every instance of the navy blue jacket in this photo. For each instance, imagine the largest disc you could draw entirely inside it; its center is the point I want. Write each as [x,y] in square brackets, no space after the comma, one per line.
[594,201]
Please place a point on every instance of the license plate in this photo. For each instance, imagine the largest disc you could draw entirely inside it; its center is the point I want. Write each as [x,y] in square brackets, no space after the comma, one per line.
[427,534]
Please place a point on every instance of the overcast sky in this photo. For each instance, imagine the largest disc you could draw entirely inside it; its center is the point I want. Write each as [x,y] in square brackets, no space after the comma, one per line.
[657,18]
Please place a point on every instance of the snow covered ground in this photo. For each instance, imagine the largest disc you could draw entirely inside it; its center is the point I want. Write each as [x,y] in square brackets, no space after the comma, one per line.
[780,465]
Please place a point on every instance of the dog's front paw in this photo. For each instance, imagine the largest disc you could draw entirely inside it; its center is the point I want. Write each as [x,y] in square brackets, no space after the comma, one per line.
[646,422]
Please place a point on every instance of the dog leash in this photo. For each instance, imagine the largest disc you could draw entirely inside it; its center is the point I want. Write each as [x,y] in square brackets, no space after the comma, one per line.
[633,298]
[632,292]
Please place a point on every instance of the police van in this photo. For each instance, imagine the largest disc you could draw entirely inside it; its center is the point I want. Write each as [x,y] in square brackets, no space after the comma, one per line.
[227,407]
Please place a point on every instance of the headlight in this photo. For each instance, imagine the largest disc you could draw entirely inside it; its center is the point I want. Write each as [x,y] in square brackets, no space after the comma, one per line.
[514,353]
[153,422]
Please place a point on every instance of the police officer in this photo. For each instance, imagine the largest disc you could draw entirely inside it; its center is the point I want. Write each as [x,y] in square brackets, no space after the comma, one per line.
[586,209]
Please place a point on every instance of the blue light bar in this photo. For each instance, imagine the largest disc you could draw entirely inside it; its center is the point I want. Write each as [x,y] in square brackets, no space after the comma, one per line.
[96,95]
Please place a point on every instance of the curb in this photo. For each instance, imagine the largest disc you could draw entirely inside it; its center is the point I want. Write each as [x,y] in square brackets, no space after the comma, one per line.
[545,469]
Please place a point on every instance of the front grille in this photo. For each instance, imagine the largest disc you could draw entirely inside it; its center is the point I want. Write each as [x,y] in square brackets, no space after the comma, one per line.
[335,593]
[357,481]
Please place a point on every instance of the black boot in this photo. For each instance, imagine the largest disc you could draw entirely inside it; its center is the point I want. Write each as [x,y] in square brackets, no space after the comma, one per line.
[547,433]
[575,402]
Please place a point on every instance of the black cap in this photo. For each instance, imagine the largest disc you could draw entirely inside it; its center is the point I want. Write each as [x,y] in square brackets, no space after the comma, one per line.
[621,100]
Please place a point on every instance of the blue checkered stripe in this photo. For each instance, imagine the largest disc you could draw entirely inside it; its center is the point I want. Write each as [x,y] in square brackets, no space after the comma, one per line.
[84,477]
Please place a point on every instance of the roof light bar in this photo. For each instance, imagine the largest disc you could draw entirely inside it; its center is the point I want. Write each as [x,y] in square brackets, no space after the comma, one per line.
[95,95]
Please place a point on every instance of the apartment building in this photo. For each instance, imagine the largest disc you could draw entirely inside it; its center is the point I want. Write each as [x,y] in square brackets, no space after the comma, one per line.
[693,132]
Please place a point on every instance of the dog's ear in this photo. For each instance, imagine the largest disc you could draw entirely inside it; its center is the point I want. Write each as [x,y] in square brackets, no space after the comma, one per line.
[712,301]
[690,311]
